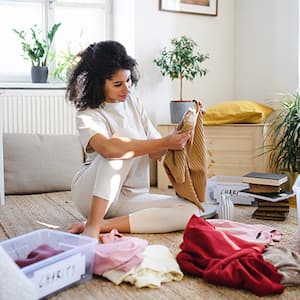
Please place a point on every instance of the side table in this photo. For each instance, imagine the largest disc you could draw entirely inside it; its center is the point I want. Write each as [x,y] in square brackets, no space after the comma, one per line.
[233,150]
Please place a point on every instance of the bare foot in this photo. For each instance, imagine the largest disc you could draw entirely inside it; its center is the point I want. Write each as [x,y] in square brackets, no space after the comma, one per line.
[77,228]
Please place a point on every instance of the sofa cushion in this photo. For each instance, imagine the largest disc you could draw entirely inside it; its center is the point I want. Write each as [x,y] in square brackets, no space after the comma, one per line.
[239,111]
[35,163]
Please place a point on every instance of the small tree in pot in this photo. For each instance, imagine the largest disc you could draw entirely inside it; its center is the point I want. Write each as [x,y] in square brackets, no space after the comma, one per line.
[182,62]
[36,49]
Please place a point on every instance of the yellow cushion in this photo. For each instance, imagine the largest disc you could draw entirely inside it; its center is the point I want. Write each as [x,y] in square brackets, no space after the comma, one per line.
[239,111]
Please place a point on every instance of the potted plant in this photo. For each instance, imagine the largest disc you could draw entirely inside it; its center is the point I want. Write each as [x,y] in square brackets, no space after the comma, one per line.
[36,49]
[65,62]
[182,62]
[284,134]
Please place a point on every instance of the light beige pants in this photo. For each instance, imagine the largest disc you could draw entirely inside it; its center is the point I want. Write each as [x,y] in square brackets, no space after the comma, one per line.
[148,213]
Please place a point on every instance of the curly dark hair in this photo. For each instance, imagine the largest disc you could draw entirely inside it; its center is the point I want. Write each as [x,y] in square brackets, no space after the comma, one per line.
[97,63]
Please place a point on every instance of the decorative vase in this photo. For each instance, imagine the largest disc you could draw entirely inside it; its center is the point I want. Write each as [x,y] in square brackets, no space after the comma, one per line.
[225,209]
[178,108]
[39,74]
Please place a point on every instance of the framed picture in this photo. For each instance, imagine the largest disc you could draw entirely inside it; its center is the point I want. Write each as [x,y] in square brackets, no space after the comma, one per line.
[200,7]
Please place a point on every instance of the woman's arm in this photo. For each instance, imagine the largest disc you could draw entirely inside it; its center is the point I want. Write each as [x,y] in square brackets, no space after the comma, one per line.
[157,155]
[125,148]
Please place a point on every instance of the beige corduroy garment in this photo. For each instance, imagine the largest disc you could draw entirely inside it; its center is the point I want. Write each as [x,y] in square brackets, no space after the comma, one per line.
[187,168]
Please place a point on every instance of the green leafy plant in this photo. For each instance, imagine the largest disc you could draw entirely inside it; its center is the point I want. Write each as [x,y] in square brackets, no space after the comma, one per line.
[284,132]
[36,47]
[65,62]
[182,61]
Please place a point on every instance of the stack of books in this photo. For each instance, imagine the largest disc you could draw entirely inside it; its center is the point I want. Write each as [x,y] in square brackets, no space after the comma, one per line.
[272,200]
[267,210]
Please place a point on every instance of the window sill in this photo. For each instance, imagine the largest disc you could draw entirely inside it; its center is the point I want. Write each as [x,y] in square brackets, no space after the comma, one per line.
[29,85]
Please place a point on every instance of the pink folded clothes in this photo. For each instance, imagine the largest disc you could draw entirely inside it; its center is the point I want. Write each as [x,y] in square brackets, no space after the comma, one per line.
[41,252]
[254,233]
[118,252]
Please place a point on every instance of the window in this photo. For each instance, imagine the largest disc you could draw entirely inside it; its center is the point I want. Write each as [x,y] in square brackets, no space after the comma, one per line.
[82,23]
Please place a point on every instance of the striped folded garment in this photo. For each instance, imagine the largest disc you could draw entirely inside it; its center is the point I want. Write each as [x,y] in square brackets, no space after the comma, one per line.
[187,168]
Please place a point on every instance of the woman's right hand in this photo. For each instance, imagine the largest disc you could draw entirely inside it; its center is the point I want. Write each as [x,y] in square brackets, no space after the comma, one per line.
[177,140]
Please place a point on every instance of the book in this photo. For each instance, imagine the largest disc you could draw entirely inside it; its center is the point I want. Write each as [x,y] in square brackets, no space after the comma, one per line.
[274,215]
[265,178]
[269,218]
[273,197]
[275,208]
[259,212]
[262,188]
[263,203]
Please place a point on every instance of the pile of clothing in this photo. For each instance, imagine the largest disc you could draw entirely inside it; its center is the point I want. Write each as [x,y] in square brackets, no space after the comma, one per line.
[222,252]
[130,259]
[122,258]
[238,255]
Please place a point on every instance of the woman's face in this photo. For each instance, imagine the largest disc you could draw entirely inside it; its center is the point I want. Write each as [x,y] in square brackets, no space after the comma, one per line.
[117,88]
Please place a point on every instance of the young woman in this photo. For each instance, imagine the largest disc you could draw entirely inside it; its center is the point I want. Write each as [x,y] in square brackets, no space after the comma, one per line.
[112,187]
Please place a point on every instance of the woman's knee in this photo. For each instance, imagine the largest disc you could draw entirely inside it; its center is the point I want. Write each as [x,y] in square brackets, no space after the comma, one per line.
[81,201]
[164,219]
[189,208]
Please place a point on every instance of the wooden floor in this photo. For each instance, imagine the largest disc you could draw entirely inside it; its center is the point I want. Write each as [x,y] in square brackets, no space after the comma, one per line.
[23,214]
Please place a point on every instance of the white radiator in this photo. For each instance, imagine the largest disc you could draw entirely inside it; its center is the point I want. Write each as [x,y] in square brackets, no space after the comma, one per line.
[37,111]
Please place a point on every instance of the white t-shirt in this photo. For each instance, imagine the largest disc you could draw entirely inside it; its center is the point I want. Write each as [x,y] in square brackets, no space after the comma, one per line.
[126,118]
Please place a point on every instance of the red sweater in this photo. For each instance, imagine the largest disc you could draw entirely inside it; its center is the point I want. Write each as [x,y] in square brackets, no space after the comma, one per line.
[224,259]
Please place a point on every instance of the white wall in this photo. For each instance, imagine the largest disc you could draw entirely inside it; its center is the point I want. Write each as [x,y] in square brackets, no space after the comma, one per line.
[123,24]
[253,48]
[266,36]
[214,35]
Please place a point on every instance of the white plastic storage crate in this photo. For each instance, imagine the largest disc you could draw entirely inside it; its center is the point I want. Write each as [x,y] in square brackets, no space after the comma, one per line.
[231,184]
[296,189]
[74,265]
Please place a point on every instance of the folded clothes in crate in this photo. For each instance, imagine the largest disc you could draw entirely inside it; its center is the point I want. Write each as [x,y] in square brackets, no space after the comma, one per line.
[74,263]
[36,255]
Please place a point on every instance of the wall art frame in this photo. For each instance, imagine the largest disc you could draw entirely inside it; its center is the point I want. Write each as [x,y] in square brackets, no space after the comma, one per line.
[199,7]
